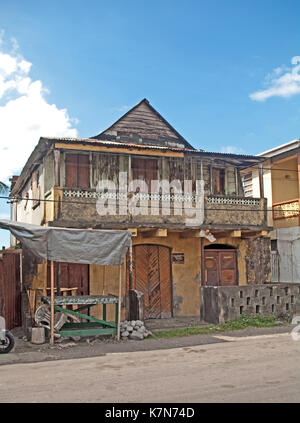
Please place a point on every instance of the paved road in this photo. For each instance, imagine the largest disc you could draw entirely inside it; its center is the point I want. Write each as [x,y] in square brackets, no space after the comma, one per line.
[251,369]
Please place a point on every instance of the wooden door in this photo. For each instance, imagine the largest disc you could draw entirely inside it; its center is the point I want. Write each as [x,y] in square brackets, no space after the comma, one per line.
[211,268]
[220,267]
[227,267]
[152,277]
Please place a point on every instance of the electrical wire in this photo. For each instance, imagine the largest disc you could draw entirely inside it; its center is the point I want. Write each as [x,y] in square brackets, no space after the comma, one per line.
[142,206]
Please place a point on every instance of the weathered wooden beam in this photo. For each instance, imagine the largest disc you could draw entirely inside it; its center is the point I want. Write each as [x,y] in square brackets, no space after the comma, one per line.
[190,234]
[251,234]
[236,234]
[266,233]
[222,234]
[261,180]
[155,233]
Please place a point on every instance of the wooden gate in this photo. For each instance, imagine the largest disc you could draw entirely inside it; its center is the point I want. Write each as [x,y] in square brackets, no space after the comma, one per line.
[220,267]
[151,276]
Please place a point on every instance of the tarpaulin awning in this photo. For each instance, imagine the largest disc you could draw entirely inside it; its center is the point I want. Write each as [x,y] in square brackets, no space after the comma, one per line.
[89,246]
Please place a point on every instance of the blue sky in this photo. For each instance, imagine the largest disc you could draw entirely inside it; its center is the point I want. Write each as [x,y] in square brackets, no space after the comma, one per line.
[220,72]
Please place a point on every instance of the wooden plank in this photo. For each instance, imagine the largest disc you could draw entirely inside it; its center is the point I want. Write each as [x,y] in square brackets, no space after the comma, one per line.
[155,233]
[190,234]
[133,151]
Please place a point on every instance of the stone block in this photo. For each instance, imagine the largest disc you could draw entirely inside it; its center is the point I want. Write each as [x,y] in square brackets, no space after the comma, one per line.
[38,335]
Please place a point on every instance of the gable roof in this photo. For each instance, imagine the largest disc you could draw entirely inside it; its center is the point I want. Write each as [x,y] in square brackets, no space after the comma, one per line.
[144,125]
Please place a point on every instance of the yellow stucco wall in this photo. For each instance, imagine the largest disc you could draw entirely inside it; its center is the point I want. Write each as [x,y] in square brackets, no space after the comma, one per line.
[186,278]
[285,187]
[285,180]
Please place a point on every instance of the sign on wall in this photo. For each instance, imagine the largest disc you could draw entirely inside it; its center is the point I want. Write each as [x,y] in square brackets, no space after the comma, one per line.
[178,258]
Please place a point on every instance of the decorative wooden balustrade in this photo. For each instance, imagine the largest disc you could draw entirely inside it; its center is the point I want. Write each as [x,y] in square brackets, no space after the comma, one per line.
[286,209]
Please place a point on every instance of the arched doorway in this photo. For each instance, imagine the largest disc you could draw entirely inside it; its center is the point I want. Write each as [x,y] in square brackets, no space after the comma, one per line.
[220,265]
[151,275]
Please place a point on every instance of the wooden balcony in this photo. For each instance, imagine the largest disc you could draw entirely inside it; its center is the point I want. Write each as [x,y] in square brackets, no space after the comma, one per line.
[286,213]
[79,207]
[286,209]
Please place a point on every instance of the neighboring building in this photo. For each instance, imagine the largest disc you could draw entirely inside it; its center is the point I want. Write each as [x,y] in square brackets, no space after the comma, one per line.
[281,187]
[171,257]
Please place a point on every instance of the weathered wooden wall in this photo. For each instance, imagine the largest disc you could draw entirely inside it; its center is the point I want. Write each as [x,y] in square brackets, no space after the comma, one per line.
[10,290]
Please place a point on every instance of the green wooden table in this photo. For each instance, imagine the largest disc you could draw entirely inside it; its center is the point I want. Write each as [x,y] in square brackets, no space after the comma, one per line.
[93,326]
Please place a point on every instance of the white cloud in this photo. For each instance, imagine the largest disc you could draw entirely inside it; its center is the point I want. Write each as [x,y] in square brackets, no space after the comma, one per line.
[25,114]
[282,82]
[5,216]
[231,149]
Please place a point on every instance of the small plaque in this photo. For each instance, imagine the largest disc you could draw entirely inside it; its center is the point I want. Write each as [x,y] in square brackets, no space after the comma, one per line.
[178,258]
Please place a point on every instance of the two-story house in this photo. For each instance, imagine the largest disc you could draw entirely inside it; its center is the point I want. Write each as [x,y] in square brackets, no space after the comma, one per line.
[281,176]
[141,174]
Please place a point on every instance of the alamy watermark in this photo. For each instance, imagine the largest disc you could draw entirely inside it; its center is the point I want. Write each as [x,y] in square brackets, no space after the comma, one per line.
[157,197]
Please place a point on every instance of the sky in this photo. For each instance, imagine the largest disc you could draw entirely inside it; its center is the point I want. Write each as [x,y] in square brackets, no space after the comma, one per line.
[224,73]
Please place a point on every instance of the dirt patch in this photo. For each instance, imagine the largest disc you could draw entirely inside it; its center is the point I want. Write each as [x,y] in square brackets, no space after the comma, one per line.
[25,352]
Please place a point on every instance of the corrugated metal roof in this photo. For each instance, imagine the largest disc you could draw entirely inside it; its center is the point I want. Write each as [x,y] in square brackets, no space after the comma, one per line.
[151,147]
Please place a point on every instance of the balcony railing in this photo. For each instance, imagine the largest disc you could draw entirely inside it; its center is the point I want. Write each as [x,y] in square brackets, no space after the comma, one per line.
[173,208]
[286,209]
[213,200]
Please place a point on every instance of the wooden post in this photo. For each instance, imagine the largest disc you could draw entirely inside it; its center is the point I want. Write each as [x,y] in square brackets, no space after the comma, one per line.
[237,192]
[52,304]
[45,278]
[104,280]
[119,303]
[21,270]
[211,178]
[57,167]
[261,180]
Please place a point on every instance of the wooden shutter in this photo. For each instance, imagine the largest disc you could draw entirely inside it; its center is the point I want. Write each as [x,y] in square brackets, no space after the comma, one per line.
[227,260]
[218,181]
[83,171]
[77,171]
[145,169]
[211,268]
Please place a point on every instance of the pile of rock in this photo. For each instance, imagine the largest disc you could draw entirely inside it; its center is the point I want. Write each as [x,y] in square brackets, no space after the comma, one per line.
[134,329]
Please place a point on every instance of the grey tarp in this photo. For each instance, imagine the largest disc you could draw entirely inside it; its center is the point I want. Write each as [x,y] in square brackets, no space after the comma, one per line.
[105,247]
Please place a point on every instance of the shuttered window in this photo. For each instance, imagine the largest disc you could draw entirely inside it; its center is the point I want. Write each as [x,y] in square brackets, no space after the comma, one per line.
[218,176]
[77,171]
[247,184]
[145,170]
